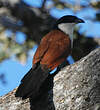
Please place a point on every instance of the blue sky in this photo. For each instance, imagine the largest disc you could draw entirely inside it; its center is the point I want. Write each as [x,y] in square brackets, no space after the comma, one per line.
[14,71]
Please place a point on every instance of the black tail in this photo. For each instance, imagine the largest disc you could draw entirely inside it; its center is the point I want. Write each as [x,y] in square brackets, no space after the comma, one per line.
[31,83]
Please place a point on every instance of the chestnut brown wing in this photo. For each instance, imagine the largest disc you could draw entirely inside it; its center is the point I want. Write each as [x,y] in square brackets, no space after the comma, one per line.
[57,52]
[41,50]
[53,49]
[43,47]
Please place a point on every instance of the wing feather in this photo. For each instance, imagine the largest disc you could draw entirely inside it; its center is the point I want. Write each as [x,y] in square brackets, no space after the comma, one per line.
[53,49]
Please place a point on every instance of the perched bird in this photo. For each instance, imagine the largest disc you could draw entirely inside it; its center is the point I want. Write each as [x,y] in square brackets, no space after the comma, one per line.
[53,50]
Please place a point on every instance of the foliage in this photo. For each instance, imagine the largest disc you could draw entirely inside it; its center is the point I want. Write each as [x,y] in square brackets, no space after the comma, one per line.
[35,22]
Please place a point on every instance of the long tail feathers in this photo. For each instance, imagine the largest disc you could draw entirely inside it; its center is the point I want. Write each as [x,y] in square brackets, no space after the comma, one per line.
[31,83]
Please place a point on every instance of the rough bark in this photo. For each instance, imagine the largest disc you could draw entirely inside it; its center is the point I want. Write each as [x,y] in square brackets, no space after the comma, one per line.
[76,87]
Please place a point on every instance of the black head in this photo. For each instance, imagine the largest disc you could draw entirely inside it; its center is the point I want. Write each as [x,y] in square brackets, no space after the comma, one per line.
[69,19]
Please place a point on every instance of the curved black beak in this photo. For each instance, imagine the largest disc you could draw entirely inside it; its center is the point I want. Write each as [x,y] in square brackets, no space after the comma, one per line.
[78,20]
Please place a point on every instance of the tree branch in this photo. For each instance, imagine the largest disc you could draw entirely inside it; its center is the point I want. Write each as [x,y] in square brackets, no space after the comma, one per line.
[76,87]
[43,4]
[35,23]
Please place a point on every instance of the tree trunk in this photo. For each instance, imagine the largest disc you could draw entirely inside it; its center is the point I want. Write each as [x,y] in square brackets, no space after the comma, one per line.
[76,87]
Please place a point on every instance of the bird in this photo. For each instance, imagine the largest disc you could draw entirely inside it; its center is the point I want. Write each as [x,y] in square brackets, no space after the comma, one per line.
[53,50]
